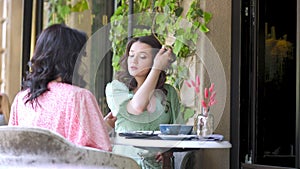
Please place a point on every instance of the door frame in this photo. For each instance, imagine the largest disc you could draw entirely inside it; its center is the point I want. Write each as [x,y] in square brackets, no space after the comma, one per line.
[235,83]
[298,87]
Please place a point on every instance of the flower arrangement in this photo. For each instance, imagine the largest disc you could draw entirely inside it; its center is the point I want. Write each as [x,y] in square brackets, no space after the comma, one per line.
[208,98]
[204,121]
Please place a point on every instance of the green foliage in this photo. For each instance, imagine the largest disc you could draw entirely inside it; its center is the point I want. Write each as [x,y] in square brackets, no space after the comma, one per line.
[188,112]
[163,18]
[60,9]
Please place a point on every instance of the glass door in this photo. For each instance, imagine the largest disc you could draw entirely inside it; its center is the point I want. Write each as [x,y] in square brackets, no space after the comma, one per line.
[268,83]
[276,87]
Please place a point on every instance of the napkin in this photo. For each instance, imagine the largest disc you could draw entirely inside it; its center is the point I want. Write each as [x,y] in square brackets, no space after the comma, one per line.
[138,134]
[212,137]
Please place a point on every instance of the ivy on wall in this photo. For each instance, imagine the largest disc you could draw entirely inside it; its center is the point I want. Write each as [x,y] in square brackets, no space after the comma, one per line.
[163,18]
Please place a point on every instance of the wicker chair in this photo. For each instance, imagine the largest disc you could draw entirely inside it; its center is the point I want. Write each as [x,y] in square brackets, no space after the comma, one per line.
[23,147]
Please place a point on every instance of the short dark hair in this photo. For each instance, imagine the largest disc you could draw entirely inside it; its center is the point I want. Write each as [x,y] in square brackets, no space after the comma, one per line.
[57,49]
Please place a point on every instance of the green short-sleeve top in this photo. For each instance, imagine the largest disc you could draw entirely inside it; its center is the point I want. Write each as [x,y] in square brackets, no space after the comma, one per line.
[167,108]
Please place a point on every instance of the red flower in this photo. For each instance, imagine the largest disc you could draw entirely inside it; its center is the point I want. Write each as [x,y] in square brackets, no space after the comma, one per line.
[206,93]
[203,104]
[187,83]
[209,93]
[212,87]
[198,80]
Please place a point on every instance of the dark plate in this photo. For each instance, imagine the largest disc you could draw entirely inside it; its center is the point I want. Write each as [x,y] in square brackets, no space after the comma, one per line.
[138,134]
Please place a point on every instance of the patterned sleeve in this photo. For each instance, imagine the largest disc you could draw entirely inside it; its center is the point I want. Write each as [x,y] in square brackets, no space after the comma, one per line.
[116,94]
[87,127]
[13,118]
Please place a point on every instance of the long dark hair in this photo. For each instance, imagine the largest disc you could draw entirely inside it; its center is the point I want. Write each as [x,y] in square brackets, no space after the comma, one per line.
[124,76]
[57,49]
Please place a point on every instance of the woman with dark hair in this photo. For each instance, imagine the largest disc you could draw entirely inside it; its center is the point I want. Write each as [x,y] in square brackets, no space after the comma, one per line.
[50,99]
[140,99]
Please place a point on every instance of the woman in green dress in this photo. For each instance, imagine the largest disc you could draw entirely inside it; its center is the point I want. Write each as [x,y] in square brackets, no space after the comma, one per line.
[139,98]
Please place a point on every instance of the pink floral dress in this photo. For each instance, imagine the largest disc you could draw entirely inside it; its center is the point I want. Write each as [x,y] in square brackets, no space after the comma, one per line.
[71,111]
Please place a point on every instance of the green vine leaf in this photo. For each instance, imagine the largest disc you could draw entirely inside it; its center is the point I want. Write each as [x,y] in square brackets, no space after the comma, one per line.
[145,4]
[188,113]
[178,11]
[64,11]
[203,28]
[207,17]
[80,6]
[160,19]
[177,47]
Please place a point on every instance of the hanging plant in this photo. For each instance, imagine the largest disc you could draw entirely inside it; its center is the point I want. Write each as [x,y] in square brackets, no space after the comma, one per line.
[59,10]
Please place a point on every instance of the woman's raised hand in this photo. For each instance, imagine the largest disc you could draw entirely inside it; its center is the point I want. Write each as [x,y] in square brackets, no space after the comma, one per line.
[163,59]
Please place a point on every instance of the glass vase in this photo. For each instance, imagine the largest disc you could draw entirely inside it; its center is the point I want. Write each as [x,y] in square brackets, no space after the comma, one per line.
[205,124]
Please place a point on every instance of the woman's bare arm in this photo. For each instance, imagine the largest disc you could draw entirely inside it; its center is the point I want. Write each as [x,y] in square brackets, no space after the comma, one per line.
[142,97]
